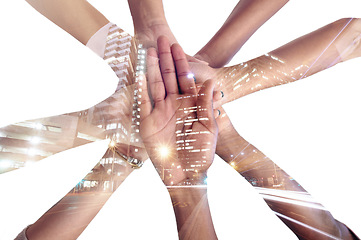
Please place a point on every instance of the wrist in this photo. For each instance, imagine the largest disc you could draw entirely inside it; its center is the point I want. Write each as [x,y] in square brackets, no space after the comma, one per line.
[148,33]
[233,83]
[191,208]
[194,177]
[150,25]
[147,13]
[229,145]
[187,194]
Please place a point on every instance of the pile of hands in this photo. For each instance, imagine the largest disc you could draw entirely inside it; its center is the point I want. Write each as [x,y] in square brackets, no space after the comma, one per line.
[177,120]
[179,104]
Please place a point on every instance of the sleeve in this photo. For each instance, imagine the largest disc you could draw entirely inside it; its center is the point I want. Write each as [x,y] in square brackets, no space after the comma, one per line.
[98,41]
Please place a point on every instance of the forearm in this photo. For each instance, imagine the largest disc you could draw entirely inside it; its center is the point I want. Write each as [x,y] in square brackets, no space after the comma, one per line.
[230,144]
[63,222]
[243,22]
[146,13]
[192,213]
[307,55]
[149,21]
[78,18]
[322,48]
[258,169]
[239,153]
[68,218]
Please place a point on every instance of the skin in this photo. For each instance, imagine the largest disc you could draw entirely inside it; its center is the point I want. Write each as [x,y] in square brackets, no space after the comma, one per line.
[82,21]
[57,224]
[334,43]
[91,20]
[243,156]
[172,92]
[216,53]
[149,21]
[235,32]
[158,126]
[78,18]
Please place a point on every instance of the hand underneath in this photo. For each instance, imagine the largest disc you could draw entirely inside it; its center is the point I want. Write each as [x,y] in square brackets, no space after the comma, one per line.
[180,131]
[202,72]
[148,37]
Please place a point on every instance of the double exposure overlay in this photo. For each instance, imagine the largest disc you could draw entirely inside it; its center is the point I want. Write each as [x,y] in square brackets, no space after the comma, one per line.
[165,109]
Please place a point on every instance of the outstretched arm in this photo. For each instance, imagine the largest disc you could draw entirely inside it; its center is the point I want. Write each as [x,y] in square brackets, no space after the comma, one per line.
[257,168]
[242,23]
[180,135]
[78,18]
[307,55]
[64,222]
[149,21]
[82,20]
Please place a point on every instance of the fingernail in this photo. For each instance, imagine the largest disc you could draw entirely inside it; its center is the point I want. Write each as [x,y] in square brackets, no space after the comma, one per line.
[222,94]
[219,112]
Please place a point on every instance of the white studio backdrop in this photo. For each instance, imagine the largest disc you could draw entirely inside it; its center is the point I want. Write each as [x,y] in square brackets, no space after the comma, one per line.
[309,128]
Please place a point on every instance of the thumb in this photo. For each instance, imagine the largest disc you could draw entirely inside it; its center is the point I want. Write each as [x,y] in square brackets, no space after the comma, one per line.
[205,102]
[195,59]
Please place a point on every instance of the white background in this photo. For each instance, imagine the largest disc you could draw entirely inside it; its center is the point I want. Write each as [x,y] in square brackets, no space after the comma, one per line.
[310,128]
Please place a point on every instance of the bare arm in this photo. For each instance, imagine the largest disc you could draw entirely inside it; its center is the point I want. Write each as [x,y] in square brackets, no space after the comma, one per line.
[180,135]
[78,18]
[257,168]
[242,23]
[307,55]
[68,218]
[149,21]
[62,222]
[194,220]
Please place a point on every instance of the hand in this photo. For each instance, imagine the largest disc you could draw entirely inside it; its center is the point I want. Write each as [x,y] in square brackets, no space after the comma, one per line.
[202,72]
[148,33]
[149,22]
[180,131]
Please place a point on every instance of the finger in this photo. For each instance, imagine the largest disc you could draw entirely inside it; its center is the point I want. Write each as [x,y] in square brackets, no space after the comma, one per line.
[185,77]
[204,105]
[223,121]
[195,59]
[217,98]
[216,113]
[167,66]
[144,102]
[155,81]
[217,95]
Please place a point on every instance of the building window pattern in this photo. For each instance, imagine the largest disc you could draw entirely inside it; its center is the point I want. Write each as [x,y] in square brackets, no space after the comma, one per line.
[31,141]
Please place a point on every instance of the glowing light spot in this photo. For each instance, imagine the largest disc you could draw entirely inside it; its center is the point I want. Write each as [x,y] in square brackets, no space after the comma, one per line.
[38,126]
[112,144]
[32,152]
[35,140]
[163,151]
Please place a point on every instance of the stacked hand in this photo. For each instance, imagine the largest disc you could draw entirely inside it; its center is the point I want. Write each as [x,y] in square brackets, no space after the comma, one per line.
[180,130]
